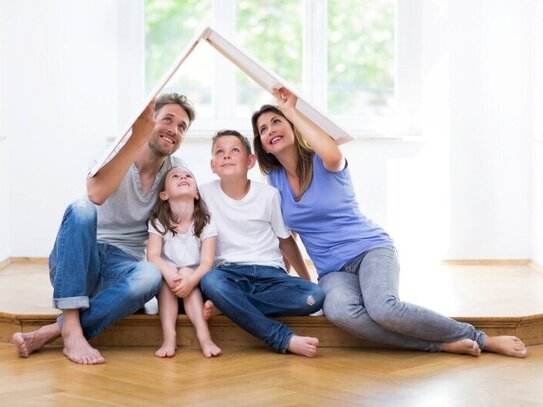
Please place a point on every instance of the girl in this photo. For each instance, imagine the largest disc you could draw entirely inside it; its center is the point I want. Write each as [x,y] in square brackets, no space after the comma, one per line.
[182,243]
[355,259]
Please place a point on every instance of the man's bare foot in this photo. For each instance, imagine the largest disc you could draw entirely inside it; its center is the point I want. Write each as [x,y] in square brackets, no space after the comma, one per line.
[168,348]
[303,345]
[210,310]
[464,346]
[27,343]
[78,350]
[506,345]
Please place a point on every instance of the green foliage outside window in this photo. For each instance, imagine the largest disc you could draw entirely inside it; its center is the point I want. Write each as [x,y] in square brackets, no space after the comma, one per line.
[361,44]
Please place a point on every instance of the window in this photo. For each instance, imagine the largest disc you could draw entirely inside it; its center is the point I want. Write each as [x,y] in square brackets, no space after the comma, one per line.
[344,56]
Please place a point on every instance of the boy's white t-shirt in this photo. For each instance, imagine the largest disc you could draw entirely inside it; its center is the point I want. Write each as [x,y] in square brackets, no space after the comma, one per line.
[183,249]
[249,228]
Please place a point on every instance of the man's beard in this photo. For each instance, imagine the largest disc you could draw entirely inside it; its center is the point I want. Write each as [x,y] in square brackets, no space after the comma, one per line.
[158,150]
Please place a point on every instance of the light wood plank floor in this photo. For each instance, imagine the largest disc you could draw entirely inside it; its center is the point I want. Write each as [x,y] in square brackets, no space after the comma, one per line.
[474,291]
[251,376]
[257,377]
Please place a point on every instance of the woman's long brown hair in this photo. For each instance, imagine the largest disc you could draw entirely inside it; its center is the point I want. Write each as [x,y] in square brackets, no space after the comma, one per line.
[268,162]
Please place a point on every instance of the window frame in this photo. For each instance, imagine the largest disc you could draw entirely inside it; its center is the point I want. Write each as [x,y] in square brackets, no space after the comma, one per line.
[403,123]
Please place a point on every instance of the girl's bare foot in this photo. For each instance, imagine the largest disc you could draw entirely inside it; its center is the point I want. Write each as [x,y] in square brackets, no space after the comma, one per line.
[506,345]
[168,348]
[303,345]
[209,349]
[210,310]
[464,346]
[27,343]
[78,350]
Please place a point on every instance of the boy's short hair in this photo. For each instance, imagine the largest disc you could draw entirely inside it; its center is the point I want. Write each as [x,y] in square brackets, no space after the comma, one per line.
[176,99]
[244,140]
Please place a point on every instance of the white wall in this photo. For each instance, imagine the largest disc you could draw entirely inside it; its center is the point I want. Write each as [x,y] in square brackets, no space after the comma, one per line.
[61,68]
[4,167]
[463,191]
[537,123]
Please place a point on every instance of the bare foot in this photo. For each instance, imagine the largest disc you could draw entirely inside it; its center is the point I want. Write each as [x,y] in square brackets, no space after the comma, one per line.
[209,349]
[210,310]
[303,345]
[506,345]
[168,348]
[27,343]
[464,346]
[78,350]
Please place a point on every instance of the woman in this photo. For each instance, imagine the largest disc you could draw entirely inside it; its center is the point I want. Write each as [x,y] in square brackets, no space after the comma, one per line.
[355,259]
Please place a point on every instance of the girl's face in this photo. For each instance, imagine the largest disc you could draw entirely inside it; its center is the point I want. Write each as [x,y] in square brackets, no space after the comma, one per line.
[179,183]
[275,132]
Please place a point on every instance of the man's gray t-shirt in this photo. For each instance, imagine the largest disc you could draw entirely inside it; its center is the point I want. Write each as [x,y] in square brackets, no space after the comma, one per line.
[121,218]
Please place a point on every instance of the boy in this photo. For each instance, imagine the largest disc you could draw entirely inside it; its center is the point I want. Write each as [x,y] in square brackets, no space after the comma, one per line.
[250,282]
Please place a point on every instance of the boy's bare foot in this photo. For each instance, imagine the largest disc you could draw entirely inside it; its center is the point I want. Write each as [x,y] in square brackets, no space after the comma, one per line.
[27,343]
[303,345]
[506,345]
[209,349]
[464,346]
[78,350]
[210,310]
[168,348]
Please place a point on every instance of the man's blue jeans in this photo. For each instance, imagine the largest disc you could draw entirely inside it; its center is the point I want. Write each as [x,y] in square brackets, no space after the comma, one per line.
[102,281]
[249,294]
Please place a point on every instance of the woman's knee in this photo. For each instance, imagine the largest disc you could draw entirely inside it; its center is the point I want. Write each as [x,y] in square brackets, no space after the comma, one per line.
[385,313]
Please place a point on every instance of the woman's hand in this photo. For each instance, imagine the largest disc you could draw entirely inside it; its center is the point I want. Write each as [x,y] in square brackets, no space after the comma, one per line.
[286,100]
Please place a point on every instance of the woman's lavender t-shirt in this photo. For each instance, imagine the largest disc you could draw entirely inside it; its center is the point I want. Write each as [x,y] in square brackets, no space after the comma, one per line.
[328,219]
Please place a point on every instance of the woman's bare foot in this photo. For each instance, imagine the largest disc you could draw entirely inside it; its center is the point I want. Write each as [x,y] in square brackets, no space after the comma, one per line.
[168,348]
[209,349]
[78,350]
[464,347]
[303,345]
[27,343]
[506,345]
[210,310]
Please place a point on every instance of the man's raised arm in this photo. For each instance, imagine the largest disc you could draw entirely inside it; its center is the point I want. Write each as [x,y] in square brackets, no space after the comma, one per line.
[109,177]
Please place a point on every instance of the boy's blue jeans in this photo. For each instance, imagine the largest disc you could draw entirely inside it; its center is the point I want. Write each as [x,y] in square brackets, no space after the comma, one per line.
[102,281]
[250,294]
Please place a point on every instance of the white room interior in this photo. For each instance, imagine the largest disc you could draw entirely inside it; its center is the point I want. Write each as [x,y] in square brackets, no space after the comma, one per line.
[467,186]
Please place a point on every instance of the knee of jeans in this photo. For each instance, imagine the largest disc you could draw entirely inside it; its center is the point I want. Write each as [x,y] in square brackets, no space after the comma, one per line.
[315,298]
[82,211]
[384,312]
[210,282]
[148,279]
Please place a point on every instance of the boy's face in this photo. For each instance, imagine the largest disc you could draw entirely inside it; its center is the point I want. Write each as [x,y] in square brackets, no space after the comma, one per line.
[230,158]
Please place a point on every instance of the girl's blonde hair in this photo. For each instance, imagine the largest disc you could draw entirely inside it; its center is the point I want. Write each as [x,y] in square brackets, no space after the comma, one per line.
[166,219]
[268,162]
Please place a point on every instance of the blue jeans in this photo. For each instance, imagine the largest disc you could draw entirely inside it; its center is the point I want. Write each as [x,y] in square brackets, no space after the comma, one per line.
[102,281]
[249,294]
[362,299]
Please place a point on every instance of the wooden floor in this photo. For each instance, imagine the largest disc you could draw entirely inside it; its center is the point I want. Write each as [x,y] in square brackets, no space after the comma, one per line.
[257,377]
[250,375]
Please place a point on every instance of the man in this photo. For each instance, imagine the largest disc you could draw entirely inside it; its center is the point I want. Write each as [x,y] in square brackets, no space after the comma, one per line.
[97,265]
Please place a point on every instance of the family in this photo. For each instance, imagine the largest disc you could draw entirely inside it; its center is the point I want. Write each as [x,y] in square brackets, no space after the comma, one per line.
[223,247]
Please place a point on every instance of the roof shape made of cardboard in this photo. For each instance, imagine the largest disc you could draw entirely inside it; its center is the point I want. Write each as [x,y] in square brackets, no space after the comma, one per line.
[251,67]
